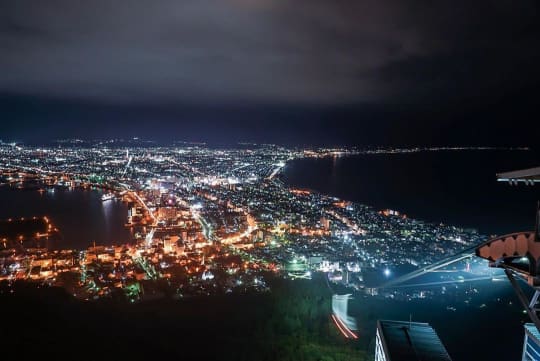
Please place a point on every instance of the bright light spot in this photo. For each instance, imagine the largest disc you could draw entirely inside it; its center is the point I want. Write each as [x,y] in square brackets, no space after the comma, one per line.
[387,272]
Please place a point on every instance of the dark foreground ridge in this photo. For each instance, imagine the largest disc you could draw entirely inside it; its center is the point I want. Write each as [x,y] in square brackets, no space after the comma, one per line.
[291,323]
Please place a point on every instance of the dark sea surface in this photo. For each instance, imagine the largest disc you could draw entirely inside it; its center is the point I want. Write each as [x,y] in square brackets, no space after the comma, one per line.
[80,215]
[453,187]
[482,320]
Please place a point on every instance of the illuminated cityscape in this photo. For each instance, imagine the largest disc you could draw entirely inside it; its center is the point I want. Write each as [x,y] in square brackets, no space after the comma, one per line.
[269,180]
[209,221]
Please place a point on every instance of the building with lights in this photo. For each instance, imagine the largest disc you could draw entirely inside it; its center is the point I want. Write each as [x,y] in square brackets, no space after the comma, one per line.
[408,341]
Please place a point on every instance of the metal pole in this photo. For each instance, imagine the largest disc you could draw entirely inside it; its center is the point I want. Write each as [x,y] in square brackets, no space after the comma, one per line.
[523,298]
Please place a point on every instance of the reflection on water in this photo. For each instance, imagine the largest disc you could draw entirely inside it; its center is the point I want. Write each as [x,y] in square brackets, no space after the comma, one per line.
[81,216]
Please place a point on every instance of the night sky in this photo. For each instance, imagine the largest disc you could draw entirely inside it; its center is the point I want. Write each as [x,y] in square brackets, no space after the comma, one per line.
[375,72]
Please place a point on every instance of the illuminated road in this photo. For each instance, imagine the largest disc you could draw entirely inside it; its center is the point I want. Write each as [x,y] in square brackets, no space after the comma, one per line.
[352,226]
[135,195]
[207,230]
[148,268]
[185,167]
[150,234]
[238,168]
[237,238]
[276,171]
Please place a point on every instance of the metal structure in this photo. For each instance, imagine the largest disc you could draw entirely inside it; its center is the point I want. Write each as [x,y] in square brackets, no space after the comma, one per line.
[518,254]
[527,176]
[467,253]
[406,341]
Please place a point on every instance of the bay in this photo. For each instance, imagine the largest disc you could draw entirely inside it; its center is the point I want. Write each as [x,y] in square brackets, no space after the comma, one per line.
[454,187]
[80,215]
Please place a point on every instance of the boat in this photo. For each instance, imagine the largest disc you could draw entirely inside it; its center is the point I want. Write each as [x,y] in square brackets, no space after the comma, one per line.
[107,197]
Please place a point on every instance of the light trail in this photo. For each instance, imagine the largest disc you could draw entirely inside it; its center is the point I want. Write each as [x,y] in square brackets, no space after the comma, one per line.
[340,315]
[347,329]
[340,328]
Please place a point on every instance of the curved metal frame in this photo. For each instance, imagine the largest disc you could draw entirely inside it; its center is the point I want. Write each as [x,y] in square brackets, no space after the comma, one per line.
[501,251]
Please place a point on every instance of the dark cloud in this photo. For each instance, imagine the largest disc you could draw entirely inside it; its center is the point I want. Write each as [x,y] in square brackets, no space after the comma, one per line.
[267,51]
[303,71]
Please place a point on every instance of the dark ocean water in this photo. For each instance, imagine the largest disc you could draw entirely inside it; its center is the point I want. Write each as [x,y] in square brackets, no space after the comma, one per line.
[80,215]
[453,187]
[483,326]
